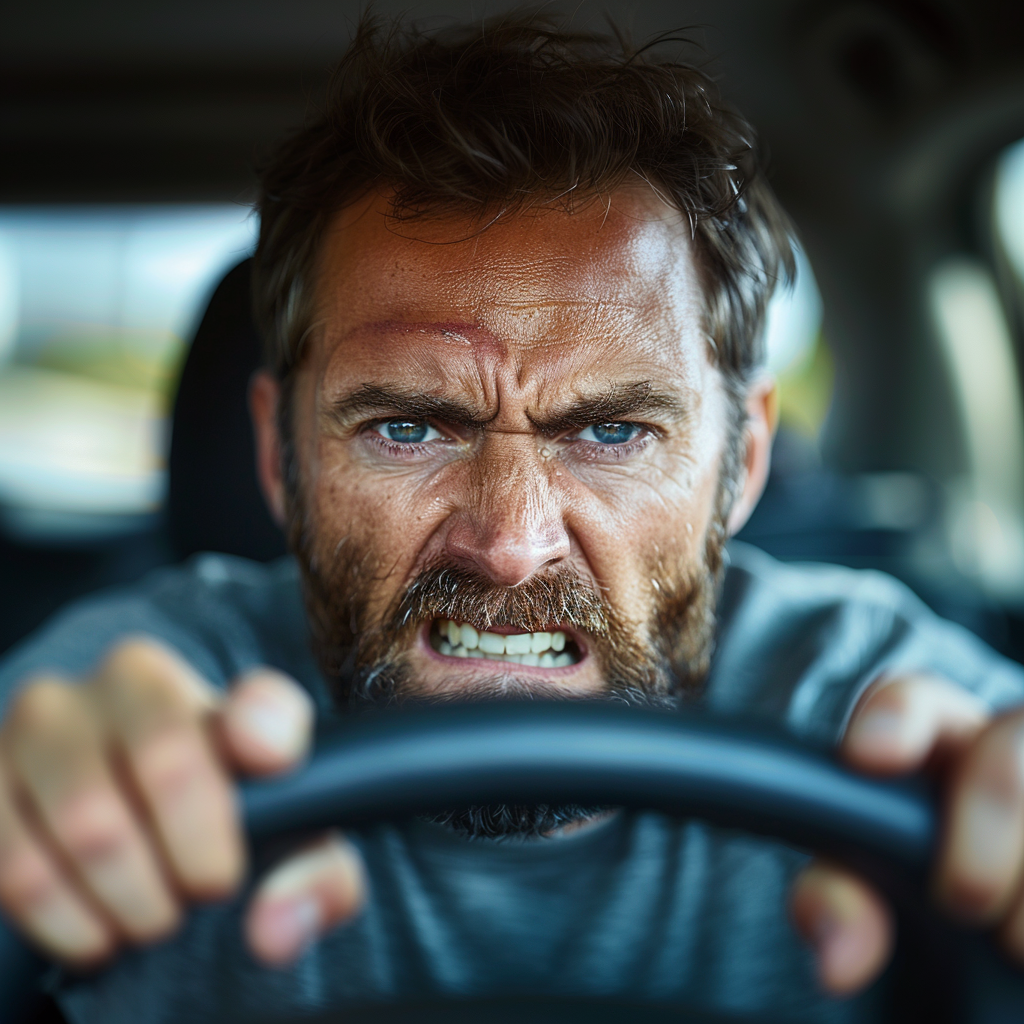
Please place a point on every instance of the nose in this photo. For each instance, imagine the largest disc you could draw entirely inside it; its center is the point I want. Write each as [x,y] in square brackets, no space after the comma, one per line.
[513,524]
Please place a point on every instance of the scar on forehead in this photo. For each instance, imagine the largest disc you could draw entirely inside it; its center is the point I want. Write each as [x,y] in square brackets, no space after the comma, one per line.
[471,335]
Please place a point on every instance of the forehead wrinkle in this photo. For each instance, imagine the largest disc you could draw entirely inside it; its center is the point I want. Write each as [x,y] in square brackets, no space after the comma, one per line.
[425,355]
[486,316]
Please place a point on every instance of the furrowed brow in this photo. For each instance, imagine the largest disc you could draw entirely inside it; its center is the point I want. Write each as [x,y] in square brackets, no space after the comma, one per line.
[618,402]
[388,400]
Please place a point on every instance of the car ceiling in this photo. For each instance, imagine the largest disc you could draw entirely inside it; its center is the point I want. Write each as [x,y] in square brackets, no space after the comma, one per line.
[880,119]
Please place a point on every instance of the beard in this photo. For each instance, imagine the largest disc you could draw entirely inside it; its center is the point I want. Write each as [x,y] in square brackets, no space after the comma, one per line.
[365,663]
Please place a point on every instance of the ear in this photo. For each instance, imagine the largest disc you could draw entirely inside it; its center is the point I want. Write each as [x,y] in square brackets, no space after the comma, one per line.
[762,405]
[264,392]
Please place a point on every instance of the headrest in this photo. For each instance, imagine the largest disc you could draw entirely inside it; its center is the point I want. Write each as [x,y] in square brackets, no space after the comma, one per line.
[214,502]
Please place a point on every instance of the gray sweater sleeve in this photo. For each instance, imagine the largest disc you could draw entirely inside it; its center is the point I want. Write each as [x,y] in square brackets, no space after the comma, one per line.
[800,643]
[222,614]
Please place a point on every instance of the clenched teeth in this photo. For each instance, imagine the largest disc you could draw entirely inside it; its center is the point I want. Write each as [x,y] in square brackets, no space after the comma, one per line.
[461,640]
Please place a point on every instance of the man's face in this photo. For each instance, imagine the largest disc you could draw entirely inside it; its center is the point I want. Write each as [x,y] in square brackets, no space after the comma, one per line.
[517,430]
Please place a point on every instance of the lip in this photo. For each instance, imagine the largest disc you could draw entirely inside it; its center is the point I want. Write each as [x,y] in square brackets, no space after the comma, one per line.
[543,673]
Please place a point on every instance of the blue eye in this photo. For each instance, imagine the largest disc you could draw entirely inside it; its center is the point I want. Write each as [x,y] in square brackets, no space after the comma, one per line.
[408,431]
[610,433]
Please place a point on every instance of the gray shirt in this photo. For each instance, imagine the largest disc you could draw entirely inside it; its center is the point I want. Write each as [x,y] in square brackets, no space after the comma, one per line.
[638,906]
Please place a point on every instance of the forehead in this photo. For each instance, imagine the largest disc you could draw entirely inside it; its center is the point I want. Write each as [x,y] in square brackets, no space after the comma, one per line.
[612,285]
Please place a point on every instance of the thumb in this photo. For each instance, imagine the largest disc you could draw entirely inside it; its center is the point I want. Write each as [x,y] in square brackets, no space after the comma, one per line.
[304,897]
[846,923]
[266,722]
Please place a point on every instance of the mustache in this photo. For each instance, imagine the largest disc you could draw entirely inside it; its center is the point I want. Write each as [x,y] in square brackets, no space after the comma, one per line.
[455,592]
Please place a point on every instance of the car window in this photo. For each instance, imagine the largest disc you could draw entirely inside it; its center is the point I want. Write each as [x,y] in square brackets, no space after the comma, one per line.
[1008,208]
[972,302]
[798,354]
[96,305]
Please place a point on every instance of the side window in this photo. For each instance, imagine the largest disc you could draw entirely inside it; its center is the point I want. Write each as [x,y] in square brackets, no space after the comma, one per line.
[798,355]
[96,305]
[975,307]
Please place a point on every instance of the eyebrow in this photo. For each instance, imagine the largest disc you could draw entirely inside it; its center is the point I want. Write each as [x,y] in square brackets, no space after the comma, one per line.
[389,399]
[616,402]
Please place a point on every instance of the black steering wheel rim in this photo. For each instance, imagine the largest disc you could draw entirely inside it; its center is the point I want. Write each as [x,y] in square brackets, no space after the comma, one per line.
[729,772]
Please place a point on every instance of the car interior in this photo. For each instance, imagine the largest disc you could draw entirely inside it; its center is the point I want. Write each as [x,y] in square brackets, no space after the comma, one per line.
[131,136]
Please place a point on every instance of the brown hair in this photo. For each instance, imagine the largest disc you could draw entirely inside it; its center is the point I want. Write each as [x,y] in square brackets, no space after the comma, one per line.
[513,112]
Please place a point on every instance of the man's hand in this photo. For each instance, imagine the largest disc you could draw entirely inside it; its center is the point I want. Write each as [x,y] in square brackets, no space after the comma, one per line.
[902,725]
[117,807]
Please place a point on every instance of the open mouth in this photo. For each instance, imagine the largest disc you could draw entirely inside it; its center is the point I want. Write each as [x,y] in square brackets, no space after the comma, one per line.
[552,649]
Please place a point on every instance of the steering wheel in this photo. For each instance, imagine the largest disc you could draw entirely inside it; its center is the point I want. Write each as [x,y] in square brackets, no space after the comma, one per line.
[728,772]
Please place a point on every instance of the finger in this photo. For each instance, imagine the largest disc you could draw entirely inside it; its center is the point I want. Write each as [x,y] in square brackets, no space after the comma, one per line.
[266,722]
[40,900]
[56,754]
[159,711]
[303,898]
[846,923]
[983,848]
[903,721]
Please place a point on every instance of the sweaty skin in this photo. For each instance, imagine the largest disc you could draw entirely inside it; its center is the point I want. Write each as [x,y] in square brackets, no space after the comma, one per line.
[499,352]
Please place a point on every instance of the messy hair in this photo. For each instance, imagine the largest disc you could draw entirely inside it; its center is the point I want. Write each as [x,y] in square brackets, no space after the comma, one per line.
[513,113]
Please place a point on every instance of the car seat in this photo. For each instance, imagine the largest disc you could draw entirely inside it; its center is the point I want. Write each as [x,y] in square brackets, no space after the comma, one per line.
[214,502]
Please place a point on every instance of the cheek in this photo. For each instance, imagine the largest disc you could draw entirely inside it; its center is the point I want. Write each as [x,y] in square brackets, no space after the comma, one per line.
[647,532]
[388,521]
[649,551]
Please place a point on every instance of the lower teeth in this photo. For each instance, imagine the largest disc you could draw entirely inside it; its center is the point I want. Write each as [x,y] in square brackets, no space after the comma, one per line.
[549,659]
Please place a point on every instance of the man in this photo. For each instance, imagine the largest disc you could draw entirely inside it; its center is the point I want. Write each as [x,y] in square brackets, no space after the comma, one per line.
[513,282]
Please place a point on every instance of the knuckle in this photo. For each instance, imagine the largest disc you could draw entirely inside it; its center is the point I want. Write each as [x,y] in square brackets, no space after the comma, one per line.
[132,666]
[130,653]
[26,880]
[42,703]
[93,827]
[141,679]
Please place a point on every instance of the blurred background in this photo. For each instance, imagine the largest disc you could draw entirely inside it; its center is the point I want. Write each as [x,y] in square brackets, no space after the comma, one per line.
[129,134]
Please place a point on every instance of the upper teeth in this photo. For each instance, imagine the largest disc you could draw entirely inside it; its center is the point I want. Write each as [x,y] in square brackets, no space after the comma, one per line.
[544,649]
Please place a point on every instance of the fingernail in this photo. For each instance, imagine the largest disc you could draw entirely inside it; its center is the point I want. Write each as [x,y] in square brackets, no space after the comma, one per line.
[280,723]
[287,927]
[331,872]
[297,874]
